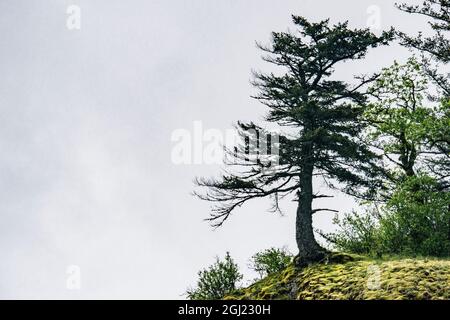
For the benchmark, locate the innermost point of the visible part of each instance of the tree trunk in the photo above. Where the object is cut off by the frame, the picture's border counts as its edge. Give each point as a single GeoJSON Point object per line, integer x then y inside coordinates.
{"type": "Point", "coordinates": [309, 250]}
{"type": "Point", "coordinates": [448, 237]}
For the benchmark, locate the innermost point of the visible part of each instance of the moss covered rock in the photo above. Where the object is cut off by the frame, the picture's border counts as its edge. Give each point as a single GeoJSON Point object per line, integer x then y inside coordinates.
{"type": "Point", "coordinates": [355, 278]}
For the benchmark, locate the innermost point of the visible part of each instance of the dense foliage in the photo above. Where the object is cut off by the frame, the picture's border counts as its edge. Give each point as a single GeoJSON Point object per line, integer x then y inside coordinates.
{"type": "Point", "coordinates": [414, 222]}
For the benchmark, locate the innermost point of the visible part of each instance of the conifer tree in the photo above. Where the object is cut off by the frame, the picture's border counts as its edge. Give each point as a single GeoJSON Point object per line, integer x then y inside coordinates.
{"type": "Point", "coordinates": [321, 115]}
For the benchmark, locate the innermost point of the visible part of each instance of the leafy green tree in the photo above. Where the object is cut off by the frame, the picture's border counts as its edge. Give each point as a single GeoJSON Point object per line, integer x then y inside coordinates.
{"type": "Point", "coordinates": [270, 261]}
{"type": "Point", "coordinates": [321, 116]}
{"type": "Point", "coordinates": [436, 132]}
{"type": "Point", "coordinates": [435, 48]}
{"type": "Point", "coordinates": [414, 218]}
{"type": "Point", "coordinates": [216, 281]}
{"type": "Point", "coordinates": [398, 114]}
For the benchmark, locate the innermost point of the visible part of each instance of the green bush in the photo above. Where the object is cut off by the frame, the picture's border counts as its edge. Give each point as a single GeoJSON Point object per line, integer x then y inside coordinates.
{"type": "Point", "coordinates": [357, 233]}
{"type": "Point", "coordinates": [415, 222]}
{"type": "Point", "coordinates": [417, 219]}
{"type": "Point", "coordinates": [216, 281]}
{"type": "Point", "coordinates": [270, 261]}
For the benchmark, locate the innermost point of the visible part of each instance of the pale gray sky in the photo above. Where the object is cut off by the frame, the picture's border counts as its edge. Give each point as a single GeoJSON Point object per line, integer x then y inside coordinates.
{"type": "Point", "coordinates": [86, 119]}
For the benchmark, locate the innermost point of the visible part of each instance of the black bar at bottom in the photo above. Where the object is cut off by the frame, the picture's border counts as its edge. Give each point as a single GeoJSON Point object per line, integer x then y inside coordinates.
{"type": "Point", "coordinates": [197, 310]}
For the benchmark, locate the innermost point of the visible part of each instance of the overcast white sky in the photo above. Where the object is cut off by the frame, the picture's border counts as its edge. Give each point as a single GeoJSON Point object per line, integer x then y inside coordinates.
{"type": "Point", "coordinates": [86, 118]}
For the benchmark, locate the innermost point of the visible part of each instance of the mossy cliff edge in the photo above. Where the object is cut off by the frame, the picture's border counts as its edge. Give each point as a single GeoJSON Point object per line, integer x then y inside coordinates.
{"type": "Point", "coordinates": [355, 278]}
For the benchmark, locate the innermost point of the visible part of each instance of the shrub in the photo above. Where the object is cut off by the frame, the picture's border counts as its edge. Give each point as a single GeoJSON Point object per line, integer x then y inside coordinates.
{"type": "Point", "coordinates": [270, 261]}
{"type": "Point", "coordinates": [417, 219]}
{"type": "Point", "coordinates": [357, 232]}
{"type": "Point", "coordinates": [217, 280]}
{"type": "Point", "coordinates": [415, 222]}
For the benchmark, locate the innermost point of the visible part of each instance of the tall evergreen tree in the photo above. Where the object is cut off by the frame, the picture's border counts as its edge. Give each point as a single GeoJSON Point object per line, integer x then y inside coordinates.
{"type": "Point", "coordinates": [436, 47]}
{"type": "Point", "coordinates": [321, 115]}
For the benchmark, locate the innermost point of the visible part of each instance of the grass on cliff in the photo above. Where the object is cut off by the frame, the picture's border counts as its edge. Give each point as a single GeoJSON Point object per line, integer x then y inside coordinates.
{"type": "Point", "coordinates": [356, 278]}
